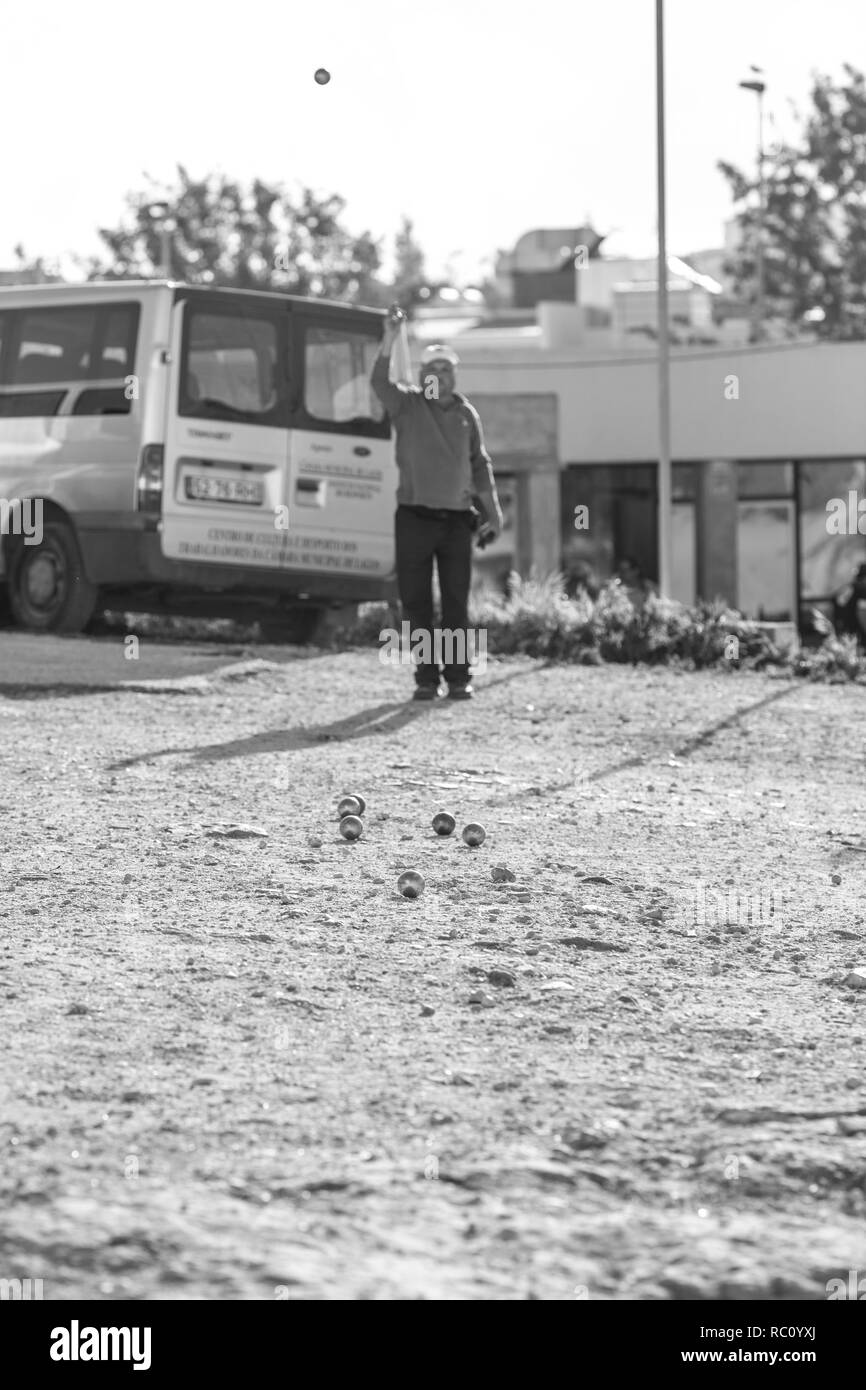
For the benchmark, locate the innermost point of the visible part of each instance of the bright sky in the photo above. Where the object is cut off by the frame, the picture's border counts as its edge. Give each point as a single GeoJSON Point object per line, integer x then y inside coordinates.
{"type": "Point", "coordinates": [480, 119]}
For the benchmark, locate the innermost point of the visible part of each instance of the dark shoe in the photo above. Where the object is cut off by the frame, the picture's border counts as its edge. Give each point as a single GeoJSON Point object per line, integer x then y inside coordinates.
{"type": "Point", "coordinates": [460, 692]}
{"type": "Point", "coordinates": [426, 692]}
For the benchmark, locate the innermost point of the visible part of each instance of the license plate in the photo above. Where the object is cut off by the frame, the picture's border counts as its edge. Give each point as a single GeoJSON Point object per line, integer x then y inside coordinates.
{"type": "Point", "coordinates": [203, 489]}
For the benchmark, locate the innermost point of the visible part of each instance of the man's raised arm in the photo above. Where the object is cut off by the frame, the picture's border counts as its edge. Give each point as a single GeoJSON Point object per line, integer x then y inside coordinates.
{"type": "Point", "coordinates": [392, 396]}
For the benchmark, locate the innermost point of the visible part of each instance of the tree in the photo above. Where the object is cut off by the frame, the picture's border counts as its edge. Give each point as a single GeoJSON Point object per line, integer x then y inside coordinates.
{"type": "Point", "coordinates": [815, 216]}
{"type": "Point", "coordinates": [30, 271]}
{"type": "Point", "coordinates": [259, 237]}
{"type": "Point", "coordinates": [409, 277]}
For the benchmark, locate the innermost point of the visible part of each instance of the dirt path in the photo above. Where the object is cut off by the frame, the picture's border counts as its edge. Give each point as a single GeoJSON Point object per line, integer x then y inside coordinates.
{"type": "Point", "coordinates": [65, 664]}
{"type": "Point", "coordinates": [246, 1068]}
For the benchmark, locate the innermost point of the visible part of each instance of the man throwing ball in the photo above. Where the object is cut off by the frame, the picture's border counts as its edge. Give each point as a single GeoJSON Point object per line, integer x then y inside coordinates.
{"type": "Point", "coordinates": [445, 481]}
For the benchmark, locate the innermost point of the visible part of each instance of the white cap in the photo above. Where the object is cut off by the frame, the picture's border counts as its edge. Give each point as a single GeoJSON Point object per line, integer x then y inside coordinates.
{"type": "Point", "coordinates": [438, 352]}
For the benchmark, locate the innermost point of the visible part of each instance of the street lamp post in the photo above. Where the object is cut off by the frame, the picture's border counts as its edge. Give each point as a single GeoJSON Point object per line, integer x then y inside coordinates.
{"type": "Point", "coordinates": [758, 87]}
{"type": "Point", "coordinates": [159, 212]}
{"type": "Point", "coordinates": [165, 249]}
{"type": "Point", "coordinates": [665, 555]}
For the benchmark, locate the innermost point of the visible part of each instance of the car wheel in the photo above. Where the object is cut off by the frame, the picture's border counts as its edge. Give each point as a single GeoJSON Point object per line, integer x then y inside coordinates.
{"type": "Point", "coordinates": [48, 589]}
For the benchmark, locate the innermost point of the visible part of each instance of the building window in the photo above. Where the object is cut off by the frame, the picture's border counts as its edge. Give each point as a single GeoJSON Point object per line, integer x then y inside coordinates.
{"type": "Point", "coordinates": [827, 561]}
{"type": "Point", "coordinates": [684, 482]}
{"type": "Point", "coordinates": [765, 480]}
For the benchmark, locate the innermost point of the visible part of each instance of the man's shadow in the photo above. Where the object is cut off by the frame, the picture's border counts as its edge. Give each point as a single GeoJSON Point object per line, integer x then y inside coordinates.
{"type": "Point", "coordinates": [381, 719]}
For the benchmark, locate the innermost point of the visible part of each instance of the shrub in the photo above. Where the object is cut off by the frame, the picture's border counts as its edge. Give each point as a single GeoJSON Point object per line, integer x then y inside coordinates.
{"type": "Point", "coordinates": [363, 629]}
{"type": "Point", "coordinates": [536, 617]}
{"type": "Point", "coordinates": [837, 659]}
{"type": "Point", "coordinates": [165, 627]}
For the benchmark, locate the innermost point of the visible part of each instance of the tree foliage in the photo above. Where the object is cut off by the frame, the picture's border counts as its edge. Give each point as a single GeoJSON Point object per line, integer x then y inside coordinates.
{"type": "Point", "coordinates": [409, 275]}
{"type": "Point", "coordinates": [257, 237]}
{"type": "Point", "coordinates": [31, 270]}
{"type": "Point", "coordinates": [815, 216]}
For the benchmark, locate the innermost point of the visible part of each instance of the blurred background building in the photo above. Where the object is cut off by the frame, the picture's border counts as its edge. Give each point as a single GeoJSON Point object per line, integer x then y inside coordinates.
{"type": "Point", "coordinates": [558, 352]}
{"type": "Point", "coordinates": [563, 371]}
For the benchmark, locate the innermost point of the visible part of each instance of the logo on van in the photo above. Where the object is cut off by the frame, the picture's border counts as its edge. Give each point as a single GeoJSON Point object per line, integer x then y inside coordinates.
{"type": "Point", "coordinates": [22, 518]}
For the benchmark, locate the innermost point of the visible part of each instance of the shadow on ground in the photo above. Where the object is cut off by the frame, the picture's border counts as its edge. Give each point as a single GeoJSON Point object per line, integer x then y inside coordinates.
{"type": "Point", "coordinates": [380, 719]}
{"type": "Point", "coordinates": [682, 750]}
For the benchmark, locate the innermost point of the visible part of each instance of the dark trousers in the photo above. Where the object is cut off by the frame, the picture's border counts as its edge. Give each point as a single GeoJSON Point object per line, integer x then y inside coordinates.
{"type": "Point", "coordinates": [423, 535]}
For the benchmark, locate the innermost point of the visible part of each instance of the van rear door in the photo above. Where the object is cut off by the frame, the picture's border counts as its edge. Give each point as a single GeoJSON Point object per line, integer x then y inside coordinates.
{"type": "Point", "coordinates": [226, 441]}
{"type": "Point", "coordinates": [342, 473]}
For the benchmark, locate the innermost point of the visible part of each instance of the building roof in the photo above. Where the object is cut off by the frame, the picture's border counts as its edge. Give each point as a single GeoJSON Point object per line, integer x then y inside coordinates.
{"type": "Point", "coordinates": [549, 248]}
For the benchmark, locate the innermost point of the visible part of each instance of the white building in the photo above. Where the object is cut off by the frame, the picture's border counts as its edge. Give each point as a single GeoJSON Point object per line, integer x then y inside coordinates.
{"type": "Point", "coordinates": [763, 437]}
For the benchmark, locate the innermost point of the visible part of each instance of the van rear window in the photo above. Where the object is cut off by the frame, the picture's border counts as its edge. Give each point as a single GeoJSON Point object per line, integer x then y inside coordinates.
{"type": "Point", "coordinates": [337, 366]}
{"type": "Point", "coordinates": [230, 367]}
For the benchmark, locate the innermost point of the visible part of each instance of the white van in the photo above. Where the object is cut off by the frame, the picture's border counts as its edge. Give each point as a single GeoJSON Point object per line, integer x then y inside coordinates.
{"type": "Point", "coordinates": [190, 450]}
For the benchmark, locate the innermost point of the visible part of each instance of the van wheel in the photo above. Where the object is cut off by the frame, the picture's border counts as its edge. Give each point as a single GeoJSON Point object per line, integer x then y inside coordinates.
{"type": "Point", "coordinates": [48, 589]}
{"type": "Point", "coordinates": [296, 625]}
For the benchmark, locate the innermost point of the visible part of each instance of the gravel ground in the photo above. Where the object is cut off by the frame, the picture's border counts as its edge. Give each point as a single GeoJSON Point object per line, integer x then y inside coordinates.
{"type": "Point", "coordinates": [245, 1068]}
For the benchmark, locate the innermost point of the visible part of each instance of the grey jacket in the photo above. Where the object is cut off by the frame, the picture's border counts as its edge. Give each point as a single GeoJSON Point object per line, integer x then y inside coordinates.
{"type": "Point", "coordinates": [441, 458]}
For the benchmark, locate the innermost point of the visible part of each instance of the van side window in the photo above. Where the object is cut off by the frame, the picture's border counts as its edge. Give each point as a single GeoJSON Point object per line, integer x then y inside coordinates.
{"type": "Point", "coordinates": [54, 345]}
{"type": "Point", "coordinates": [337, 367]}
{"type": "Point", "coordinates": [117, 343]}
{"type": "Point", "coordinates": [71, 346]}
{"type": "Point", "coordinates": [113, 360]}
{"type": "Point", "coordinates": [230, 368]}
